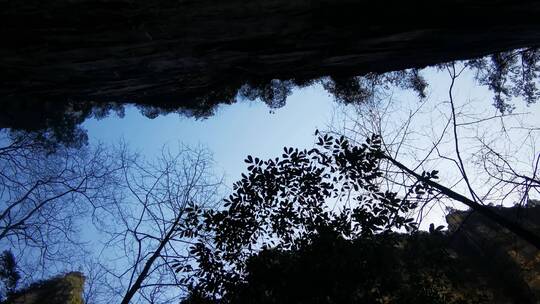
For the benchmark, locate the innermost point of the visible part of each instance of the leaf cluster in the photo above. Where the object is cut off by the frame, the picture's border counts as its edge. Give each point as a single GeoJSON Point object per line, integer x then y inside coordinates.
{"type": "Point", "coordinates": [285, 202]}
{"type": "Point", "coordinates": [509, 74]}
{"type": "Point", "coordinates": [388, 268]}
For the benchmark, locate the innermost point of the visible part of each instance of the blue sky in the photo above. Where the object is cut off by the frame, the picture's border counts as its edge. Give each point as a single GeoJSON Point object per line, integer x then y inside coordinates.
{"type": "Point", "coordinates": [231, 134]}
{"type": "Point", "coordinates": [249, 128]}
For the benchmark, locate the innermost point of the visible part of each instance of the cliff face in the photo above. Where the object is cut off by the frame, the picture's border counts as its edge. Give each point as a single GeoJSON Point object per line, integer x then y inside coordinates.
{"type": "Point", "coordinates": [512, 264]}
{"type": "Point", "coordinates": [174, 51]}
{"type": "Point", "coordinates": [66, 289]}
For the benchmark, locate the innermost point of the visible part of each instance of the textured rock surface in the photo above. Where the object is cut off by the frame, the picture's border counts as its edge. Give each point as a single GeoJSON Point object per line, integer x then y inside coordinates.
{"type": "Point", "coordinates": [156, 51]}
{"type": "Point", "coordinates": [66, 289]}
{"type": "Point", "coordinates": [512, 264]}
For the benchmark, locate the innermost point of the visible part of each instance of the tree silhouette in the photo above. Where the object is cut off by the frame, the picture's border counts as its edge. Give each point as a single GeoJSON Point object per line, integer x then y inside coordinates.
{"type": "Point", "coordinates": [9, 275]}
{"type": "Point", "coordinates": [461, 134]}
{"type": "Point", "coordinates": [285, 203]}
{"type": "Point", "coordinates": [46, 193]}
{"type": "Point", "coordinates": [144, 237]}
{"type": "Point", "coordinates": [388, 268]}
{"type": "Point", "coordinates": [509, 74]}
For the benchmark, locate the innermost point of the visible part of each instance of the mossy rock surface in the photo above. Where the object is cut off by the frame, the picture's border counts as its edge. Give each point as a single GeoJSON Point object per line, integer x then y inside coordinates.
{"type": "Point", "coordinates": [65, 289]}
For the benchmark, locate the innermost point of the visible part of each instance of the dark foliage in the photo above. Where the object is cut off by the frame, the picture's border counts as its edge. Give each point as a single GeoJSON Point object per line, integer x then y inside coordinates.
{"type": "Point", "coordinates": [9, 275]}
{"type": "Point", "coordinates": [284, 203]}
{"type": "Point", "coordinates": [509, 74]}
{"type": "Point", "coordinates": [53, 124]}
{"type": "Point", "coordinates": [364, 88]}
{"type": "Point", "coordinates": [389, 268]}
{"type": "Point", "coordinates": [317, 226]}
{"type": "Point", "coordinates": [273, 93]}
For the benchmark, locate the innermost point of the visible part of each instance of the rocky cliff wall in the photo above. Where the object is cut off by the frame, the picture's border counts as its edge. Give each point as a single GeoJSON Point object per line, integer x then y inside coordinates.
{"type": "Point", "coordinates": [173, 51]}
{"type": "Point", "coordinates": [512, 264]}
{"type": "Point", "coordinates": [65, 289]}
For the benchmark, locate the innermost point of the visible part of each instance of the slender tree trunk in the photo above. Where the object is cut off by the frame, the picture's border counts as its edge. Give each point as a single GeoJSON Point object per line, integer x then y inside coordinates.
{"type": "Point", "coordinates": [148, 265]}
{"type": "Point", "coordinates": [512, 226]}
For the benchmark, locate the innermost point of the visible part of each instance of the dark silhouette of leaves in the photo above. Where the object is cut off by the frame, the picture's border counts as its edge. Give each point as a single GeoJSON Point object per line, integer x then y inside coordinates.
{"type": "Point", "coordinates": [285, 202]}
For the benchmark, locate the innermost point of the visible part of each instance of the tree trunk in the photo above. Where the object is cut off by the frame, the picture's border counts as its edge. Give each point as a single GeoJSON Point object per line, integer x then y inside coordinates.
{"type": "Point", "coordinates": [512, 226]}
{"type": "Point", "coordinates": [136, 286]}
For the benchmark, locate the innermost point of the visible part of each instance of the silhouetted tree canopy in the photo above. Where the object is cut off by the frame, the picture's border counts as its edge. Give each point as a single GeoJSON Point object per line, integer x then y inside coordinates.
{"type": "Point", "coordinates": [509, 74]}
{"type": "Point", "coordinates": [283, 203]}
{"type": "Point", "coordinates": [9, 275]}
{"type": "Point", "coordinates": [388, 268]}
{"type": "Point", "coordinates": [331, 203]}
{"type": "Point", "coordinates": [50, 195]}
{"type": "Point", "coordinates": [363, 88]}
